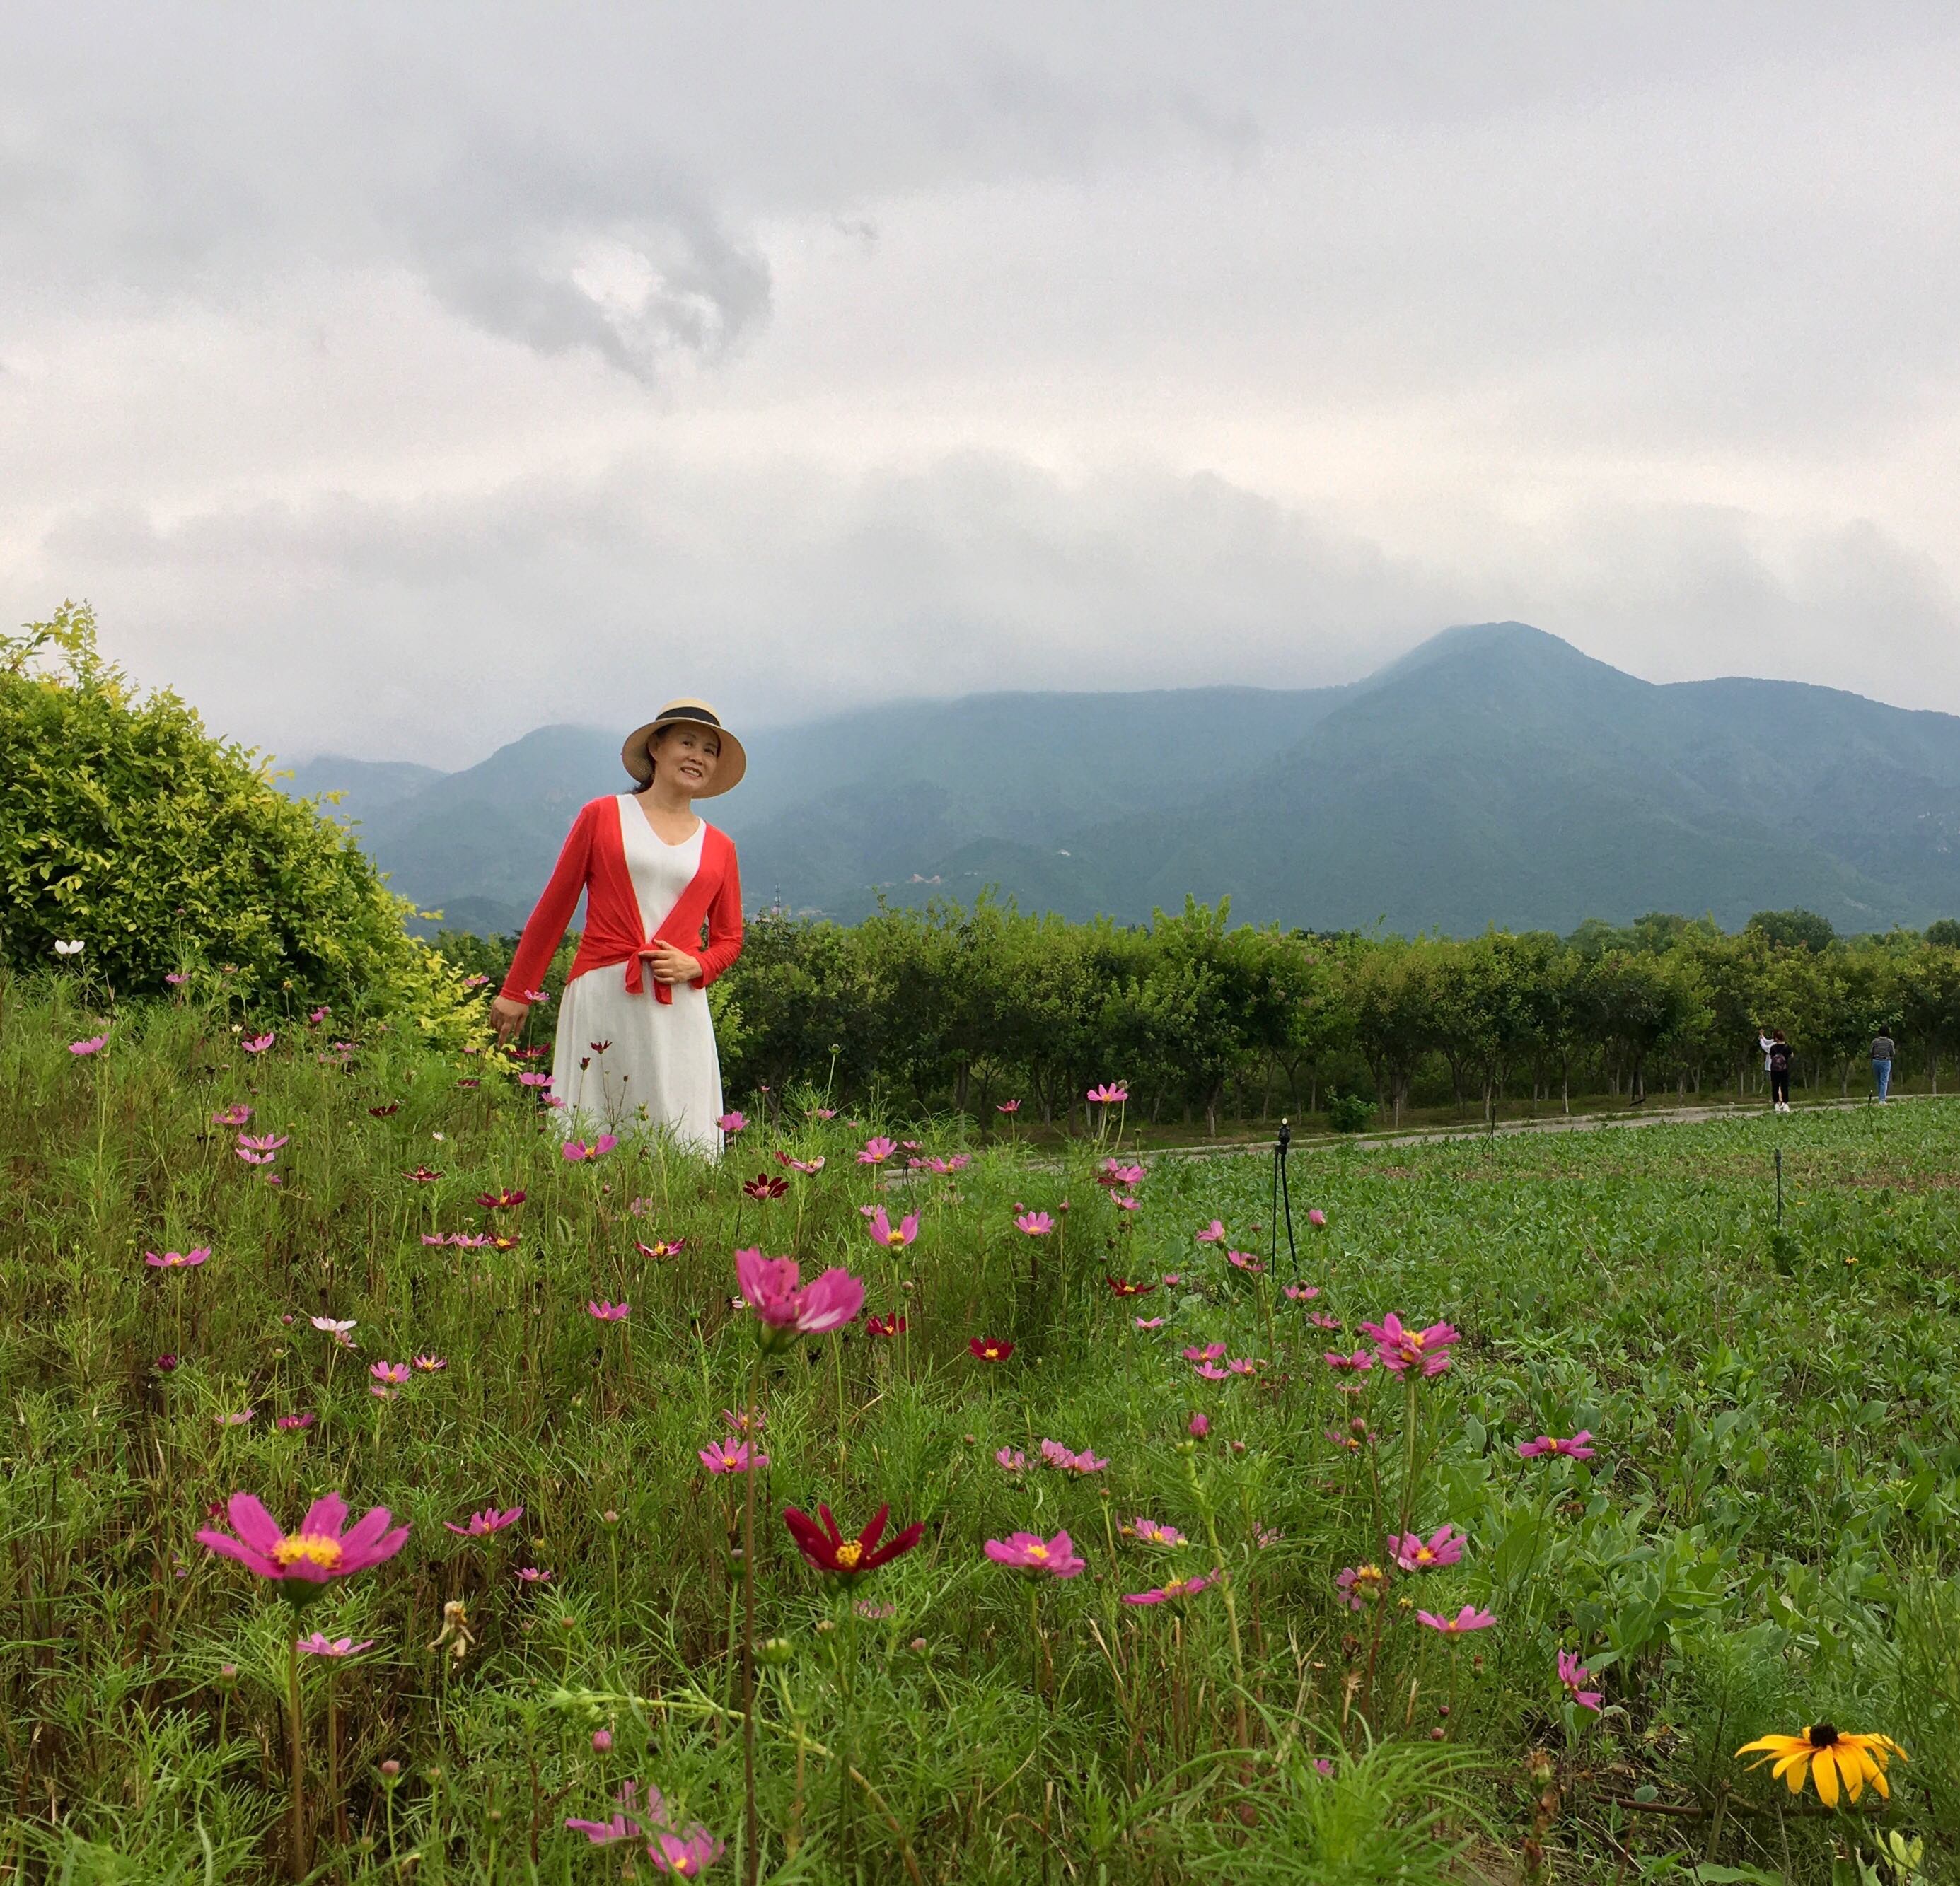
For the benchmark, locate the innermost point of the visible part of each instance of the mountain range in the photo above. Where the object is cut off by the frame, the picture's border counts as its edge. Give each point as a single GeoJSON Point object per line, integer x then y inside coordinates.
{"type": "Point", "coordinates": [1495, 775]}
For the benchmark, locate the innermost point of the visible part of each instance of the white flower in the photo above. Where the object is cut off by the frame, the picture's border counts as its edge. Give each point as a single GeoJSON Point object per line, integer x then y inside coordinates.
{"type": "Point", "coordinates": [69, 949]}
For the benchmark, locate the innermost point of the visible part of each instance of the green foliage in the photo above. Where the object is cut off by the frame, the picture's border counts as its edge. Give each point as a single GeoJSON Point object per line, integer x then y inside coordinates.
{"type": "Point", "coordinates": [163, 851]}
{"type": "Point", "coordinates": [1349, 1112]}
{"type": "Point", "coordinates": [1794, 929]}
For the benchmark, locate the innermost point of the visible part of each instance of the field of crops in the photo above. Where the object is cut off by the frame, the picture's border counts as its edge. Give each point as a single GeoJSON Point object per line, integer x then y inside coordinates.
{"type": "Point", "coordinates": [1472, 1542]}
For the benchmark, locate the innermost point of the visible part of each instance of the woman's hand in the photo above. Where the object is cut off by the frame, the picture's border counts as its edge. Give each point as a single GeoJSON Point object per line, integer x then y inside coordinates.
{"type": "Point", "coordinates": [669, 965]}
{"type": "Point", "coordinates": [507, 1016]}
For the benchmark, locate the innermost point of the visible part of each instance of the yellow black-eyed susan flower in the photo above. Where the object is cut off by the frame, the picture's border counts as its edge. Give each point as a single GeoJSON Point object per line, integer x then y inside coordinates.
{"type": "Point", "coordinates": [1826, 1754]}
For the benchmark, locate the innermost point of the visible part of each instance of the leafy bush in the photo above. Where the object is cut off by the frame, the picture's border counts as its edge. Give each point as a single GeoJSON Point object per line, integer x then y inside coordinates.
{"type": "Point", "coordinates": [128, 827]}
{"type": "Point", "coordinates": [1348, 1112]}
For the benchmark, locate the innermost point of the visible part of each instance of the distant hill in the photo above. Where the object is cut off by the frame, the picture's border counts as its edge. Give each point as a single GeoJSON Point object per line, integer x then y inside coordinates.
{"type": "Point", "coordinates": [1495, 775]}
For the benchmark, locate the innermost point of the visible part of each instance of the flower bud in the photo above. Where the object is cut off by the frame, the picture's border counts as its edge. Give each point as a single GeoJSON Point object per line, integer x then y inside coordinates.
{"type": "Point", "coordinates": [227, 1676]}
{"type": "Point", "coordinates": [1200, 1426]}
{"type": "Point", "coordinates": [601, 1740]}
{"type": "Point", "coordinates": [776, 1651]}
{"type": "Point", "coordinates": [391, 1770]}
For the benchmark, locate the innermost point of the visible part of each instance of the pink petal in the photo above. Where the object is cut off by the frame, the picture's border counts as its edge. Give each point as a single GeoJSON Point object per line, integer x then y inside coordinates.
{"type": "Point", "coordinates": [230, 1548]}
{"type": "Point", "coordinates": [326, 1514]}
{"type": "Point", "coordinates": [252, 1523]}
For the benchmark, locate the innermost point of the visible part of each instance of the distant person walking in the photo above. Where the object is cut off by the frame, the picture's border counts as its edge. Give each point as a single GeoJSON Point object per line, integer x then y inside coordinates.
{"type": "Point", "coordinates": [638, 1047]}
{"type": "Point", "coordinates": [1778, 1055]}
{"type": "Point", "coordinates": [1883, 1055]}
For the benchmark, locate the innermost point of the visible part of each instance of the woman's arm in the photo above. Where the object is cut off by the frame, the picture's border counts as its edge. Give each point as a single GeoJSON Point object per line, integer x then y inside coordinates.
{"type": "Point", "coordinates": [545, 930]}
{"type": "Point", "coordinates": [724, 926]}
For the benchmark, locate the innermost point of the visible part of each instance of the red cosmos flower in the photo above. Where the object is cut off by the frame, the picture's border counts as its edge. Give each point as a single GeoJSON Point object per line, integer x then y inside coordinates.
{"type": "Point", "coordinates": [660, 1248]}
{"type": "Point", "coordinates": [763, 1186]}
{"type": "Point", "coordinates": [422, 1175]}
{"type": "Point", "coordinates": [827, 1550]}
{"type": "Point", "coordinates": [504, 1244]}
{"type": "Point", "coordinates": [991, 1348]}
{"type": "Point", "coordinates": [382, 1113]}
{"type": "Point", "coordinates": [499, 1200]}
{"type": "Point", "coordinates": [892, 1325]}
{"type": "Point", "coordinates": [1123, 1286]}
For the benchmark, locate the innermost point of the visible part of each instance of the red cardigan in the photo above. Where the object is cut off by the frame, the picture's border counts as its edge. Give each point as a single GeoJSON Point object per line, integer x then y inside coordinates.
{"type": "Point", "coordinates": [594, 861]}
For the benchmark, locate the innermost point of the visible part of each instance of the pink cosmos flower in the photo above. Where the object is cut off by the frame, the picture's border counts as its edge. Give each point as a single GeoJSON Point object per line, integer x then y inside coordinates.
{"type": "Point", "coordinates": [1200, 1426]}
{"type": "Point", "coordinates": [430, 1365]}
{"type": "Point", "coordinates": [1151, 1532]}
{"type": "Point", "coordinates": [176, 979]}
{"type": "Point", "coordinates": [1242, 1364]}
{"type": "Point", "coordinates": [262, 1142]}
{"type": "Point", "coordinates": [339, 1330]}
{"type": "Point", "coordinates": [320, 1645]}
{"type": "Point", "coordinates": [390, 1378]}
{"type": "Point", "coordinates": [1030, 1552]}
{"type": "Point", "coordinates": [1007, 1106]}
{"type": "Point", "coordinates": [238, 1420]}
{"type": "Point", "coordinates": [1172, 1279]}
{"type": "Point", "coordinates": [605, 1312]}
{"type": "Point", "coordinates": [805, 1167]}
{"type": "Point", "coordinates": [1244, 1260]}
{"type": "Point", "coordinates": [319, 1550]}
{"type": "Point", "coordinates": [1573, 1674]}
{"type": "Point", "coordinates": [1212, 1352]}
{"type": "Point", "coordinates": [1124, 1202]}
{"type": "Point", "coordinates": [576, 1150]}
{"type": "Point", "coordinates": [289, 1423]}
{"type": "Point", "coordinates": [1398, 1348]}
{"type": "Point", "coordinates": [1575, 1448]}
{"type": "Point", "coordinates": [530, 1575]}
{"type": "Point", "coordinates": [877, 1149]}
{"type": "Point", "coordinates": [1210, 1372]}
{"type": "Point", "coordinates": [1012, 1459]}
{"type": "Point", "coordinates": [1361, 1360]}
{"type": "Point", "coordinates": [530, 1078]}
{"type": "Point", "coordinates": [1302, 1292]}
{"type": "Point", "coordinates": [1468, 1618]}
{"type": "Point", "coordinates": [232, 1116]}
{"type": "Point", "coordinates": [731, 1456]}
{"type": "Point", "coordinates": [1114, 1174]}
{"type": "Point", "coordinates": [824, 1113]}
{"type": "Point", "coordinates": [259, 1043]}
{"type": "Point", "coordinates": [1213, 1233]}
{"type": "Point", "coordinates": [1150, 1322]}
{"type": "Point", "coordinates": [1170, 1594]}
{"type": "Point", "coordinates": [1413, 1553]}
{"type": "Point", "coordinates": [897, 1236]}
{"type": "Point", "coordinates": [773, 1289]}
{"type": "Point", "coordinates": [1069, 1462]}
{"type": "Point", "coordinates": [254, 1159]}
{"type": "Point", "coordinates": [1108, 1095]}
{"type": "Point", "coordinates": [731, 1123]}
{"type": "Point", "coordinates": [1036, 1224]}
{"type": "Point", "coordinates": [434, 1237]}
{"type": "Point", "coordinates": [177, 1260]}
{"type": "Point", "coordinates": [1317, 1218]}
{"type": "Point", "coordinates": [93, 1045]}
{"type": "Point", "coordinates": [487, 1522]}
{"type": "Point", "coordinates": [537, 995]}
{"type": "Point", "coordinates": [687, 1854]}
{"type": "Point", "coordinates": [1360, 1584]}
{"type": "Point", "coordinates": [469, 1240]}
{"type": "Point", "coordinates": [944, 1167]}
{"type": "Point", "coordinates": [1321, 1320]}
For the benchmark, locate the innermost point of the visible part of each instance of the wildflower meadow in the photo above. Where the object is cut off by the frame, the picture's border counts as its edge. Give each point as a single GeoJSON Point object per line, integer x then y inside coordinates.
{"type": "Point", "coordinates": [400, 1486]}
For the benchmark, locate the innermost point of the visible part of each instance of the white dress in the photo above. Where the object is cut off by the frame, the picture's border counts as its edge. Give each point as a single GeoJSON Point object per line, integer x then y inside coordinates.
{"type": "Point", "coordinates": [622, 1060]}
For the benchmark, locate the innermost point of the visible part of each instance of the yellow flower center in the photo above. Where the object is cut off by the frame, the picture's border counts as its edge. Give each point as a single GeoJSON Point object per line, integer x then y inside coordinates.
{"type": "Point", "coordinates": [848, 1554]}
{"type": "Point", "coordinates": [1037, 1551]}
{"type": "Point", "coordinates": [1369, 1576]}
{"type": "Point", "coordinates": [1423, 1555]}
{"type": "Point", "coordinates": [315, 1547]}
{"type": "Point", "coordinates": [1177, 1588]}
{"type": "Point", "coordinates": [895, 1235]}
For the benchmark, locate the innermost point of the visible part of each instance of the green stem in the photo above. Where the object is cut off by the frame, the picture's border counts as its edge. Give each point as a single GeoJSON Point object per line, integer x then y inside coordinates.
{"type": "Point", "coordinates": [752, 1852]}
{"type": "Point", "coordinates": [296, 1808]}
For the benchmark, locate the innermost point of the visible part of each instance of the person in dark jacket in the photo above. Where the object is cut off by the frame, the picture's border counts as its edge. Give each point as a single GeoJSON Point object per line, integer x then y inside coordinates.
{"type": "Point", "coordinates": [1883, 1053]}
{"type": "Point", "coordinates": [1778, 1056]}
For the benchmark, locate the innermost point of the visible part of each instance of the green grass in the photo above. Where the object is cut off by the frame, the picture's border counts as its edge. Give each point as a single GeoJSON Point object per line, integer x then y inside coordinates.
{"type": "Point", "coordinates": [1765, 1538]}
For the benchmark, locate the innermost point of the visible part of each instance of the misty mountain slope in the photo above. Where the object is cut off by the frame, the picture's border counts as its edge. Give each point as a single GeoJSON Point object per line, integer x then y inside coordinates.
{"type": "Point", "coordinates": [1494, 775]}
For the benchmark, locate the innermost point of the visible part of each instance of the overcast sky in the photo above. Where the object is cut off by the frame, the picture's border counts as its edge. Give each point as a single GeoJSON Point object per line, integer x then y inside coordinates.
{"type": "Point", "coordinates": [394, 379]}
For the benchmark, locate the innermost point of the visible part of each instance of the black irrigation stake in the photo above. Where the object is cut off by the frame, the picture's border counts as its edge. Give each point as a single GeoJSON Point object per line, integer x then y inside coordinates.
{"type": "Point", "coordinates": [1281, 1194]}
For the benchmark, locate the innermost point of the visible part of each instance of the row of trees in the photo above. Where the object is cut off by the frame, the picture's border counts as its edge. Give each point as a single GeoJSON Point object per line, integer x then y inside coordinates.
{"type": "Point", "coordinates": [965, 1007]}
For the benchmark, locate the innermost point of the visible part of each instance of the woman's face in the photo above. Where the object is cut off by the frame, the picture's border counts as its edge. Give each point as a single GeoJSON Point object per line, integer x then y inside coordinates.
{"type": "Point", "coordinates": [686, 756]}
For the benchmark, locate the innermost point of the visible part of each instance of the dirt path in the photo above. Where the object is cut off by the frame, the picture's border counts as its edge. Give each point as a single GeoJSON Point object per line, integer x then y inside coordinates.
{"type": "Point", "coordinates": [1505, 1129]}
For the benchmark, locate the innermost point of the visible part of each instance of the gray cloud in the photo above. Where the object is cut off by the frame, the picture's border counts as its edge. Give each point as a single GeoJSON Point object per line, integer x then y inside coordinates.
{"type": "Point", "coordinates": [394, 379]}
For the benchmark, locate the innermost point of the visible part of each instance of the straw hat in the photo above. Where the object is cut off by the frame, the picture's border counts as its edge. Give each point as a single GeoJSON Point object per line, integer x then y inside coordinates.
{"type": "Point", "coordinates": [728, 771]}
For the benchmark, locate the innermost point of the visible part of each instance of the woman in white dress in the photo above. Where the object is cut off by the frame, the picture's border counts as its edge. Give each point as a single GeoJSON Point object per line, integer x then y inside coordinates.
{"type": "Point", "coordinates": [637, 1049]}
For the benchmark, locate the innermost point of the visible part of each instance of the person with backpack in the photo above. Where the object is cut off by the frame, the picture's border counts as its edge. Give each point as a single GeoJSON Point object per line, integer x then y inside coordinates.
{"type": "Point", "coordinates": [1778, 1056]}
